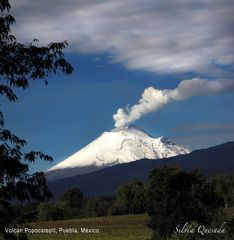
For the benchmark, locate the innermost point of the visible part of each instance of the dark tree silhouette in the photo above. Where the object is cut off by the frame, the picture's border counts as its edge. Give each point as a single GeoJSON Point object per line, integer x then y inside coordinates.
{"type": "Point", "coordinates": [176, 197]}
{"type": "Point", "coordinates": [131, 197]}
{"type": "Point", "coordinates": [20, 64]}
{"type": "Point", "coordinates": [73, 197]}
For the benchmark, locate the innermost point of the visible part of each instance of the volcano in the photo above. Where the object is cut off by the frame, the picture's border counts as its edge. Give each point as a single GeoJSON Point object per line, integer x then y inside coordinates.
{"type": "Point", "coordinates": [118, 146]}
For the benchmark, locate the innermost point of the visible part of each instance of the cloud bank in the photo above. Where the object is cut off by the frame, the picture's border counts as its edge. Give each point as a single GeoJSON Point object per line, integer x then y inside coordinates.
{"type": "Point", "coordinates": [170, 36]}
{"type": "Point", "coordinates": [153, 99]}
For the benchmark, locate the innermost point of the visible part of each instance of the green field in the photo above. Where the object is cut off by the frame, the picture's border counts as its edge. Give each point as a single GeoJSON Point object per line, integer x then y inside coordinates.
{"type": "Point", "coordinates": [128, 227]}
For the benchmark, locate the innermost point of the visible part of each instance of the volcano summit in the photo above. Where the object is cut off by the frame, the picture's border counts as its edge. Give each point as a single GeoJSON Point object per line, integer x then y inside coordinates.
{"type": "Point", "coordinates": [118, 146]}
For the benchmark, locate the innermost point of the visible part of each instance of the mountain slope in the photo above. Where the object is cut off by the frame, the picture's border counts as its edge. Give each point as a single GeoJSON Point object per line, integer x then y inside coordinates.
{"type": "Point", "coordinates": [211, 161]}
{"type": "Point", "coordinates": [115, 147]}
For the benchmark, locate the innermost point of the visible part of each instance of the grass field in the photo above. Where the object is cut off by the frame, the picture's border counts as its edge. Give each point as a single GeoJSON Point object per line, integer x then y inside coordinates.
{"type": "Point", "coordinates": [126, 227]}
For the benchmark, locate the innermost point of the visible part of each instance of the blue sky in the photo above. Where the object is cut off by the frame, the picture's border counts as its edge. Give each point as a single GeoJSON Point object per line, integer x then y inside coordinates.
{"type": "Point", "coordinates": [116, 56]}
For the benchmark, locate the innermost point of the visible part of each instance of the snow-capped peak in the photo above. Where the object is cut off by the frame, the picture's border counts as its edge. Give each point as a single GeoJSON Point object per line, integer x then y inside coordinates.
{"type": "Point", "coordinates": [121, 145]}
{"type": "Point", "coordinates": [132, 129]}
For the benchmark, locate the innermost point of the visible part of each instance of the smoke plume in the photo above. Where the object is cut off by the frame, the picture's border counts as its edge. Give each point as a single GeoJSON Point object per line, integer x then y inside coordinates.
{"type": "Point", "coordinates": [153, 99]}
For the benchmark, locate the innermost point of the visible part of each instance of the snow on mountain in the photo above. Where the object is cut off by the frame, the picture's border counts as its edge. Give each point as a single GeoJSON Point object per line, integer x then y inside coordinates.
{"type": "Point", "coordinates": [118, 146]}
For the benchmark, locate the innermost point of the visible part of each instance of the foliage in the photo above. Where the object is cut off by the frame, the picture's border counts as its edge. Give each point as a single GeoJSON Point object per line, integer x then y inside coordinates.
{"type": "Point", "coordinates": [230, 229]}
{"type": "Point", "coordinates": [73, 198]}
{"type": "Point", "coordinates": [72, 201]}
{"type": "Point", "coordinates": [186, 235]}
{"type": "Point", "coordinates": [224, 185]}
{"type": "Point", "coordinates": [20, 64]}
{"type": "Point", "coordinates": [72, 205]}
{"type": "Point", "coordinates": [176, 197]}
{"type": "Point", "coordinates": [97, 206]}
{"type": "Point", "coordinates": [51, 211]}
{"type": "Point", "coordinates": [131, 198]}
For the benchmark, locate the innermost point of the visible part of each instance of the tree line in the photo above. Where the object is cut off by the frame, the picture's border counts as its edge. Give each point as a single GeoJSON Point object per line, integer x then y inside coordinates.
{"type": "Point", "coordinates": [171, 197]}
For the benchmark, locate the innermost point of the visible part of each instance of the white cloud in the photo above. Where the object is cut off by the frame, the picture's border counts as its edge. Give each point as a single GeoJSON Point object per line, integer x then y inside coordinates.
{"type": "Point", "coordinates": [153, 99]}
{"type": "Point", "coordinates": [160, 36]}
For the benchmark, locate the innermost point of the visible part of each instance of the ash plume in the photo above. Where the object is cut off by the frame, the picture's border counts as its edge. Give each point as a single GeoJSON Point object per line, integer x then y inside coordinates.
{"type": "Point", "coordinates": [153, 99]}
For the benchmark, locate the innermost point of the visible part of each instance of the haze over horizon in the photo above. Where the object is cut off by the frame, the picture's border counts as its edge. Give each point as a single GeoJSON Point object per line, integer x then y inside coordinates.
{"type": "Point", "coordinates": [168, 65]}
